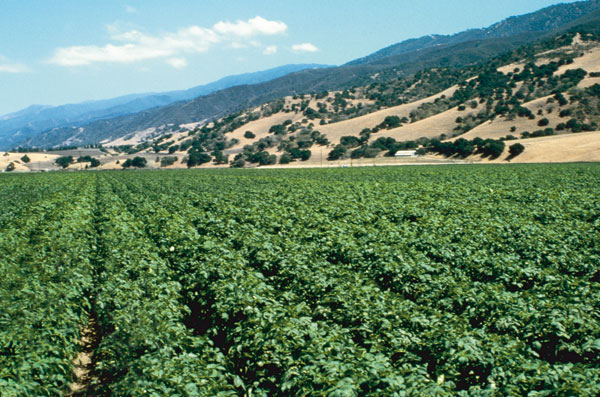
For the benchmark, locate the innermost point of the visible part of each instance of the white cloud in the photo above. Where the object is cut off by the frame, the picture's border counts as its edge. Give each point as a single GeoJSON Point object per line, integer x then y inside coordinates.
{"type": "Point", "coordinates": [135, 46]}
{"type": "Point", "coordinates": [252, 27]}
{"type": "Point", "coordinates": [177, 63]}
{"type": "Point", "coordinates": [130, 9]}
{"type": "Point", "coordinates": [8, 67]}
{"type": "Point", "coordinates": [86, 55]}
{"type": "Point", "coordinates": [304, 47]}
{"type": "Point", "coordinates": [270, 50]}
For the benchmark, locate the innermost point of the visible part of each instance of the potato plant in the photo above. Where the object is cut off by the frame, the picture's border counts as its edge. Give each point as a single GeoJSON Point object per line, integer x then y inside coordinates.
{"type": "Point", "coordinates": [446, 280]}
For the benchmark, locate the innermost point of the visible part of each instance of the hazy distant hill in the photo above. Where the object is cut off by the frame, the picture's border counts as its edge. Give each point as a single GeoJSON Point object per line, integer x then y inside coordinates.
{"type": "Point", "coordinates": [466, 48]}
{"type": "Point", "coordinates": [27, 123]}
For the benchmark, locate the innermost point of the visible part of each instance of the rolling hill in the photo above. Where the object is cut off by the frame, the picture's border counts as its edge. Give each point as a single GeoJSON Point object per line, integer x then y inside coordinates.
{"type": "Point", "coordinates": [544, 98]}
{"type": "Point", "coordinates": [464, 49]}
{"type": "Point", "coordinates": [18, 127]}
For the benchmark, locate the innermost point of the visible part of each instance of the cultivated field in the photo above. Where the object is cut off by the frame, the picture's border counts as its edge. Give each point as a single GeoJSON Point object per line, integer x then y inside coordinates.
{"type": "Point", "coordinates": [374, 281]}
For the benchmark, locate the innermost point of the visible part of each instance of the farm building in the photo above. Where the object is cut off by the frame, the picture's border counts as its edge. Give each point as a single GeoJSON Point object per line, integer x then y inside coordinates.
{"type": "Point", "coordinates": [406, 153]}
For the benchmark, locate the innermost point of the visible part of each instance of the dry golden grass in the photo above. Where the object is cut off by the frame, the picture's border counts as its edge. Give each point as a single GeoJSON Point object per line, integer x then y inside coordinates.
{"type": "Point", "coordinates": [38, 161]}
{"type": "Point", "coordinates": [354, 126]}
{"type": "Point", "coordinates": [261, 127]}
{"type": "Point", "coordinates": [431, 127]}
{"type": "Point", "coordinates": [511, 67]}
{"type": "Point", "coordinates": [590, 62]}
{"type": "Point", "coordinates": [565, 148]}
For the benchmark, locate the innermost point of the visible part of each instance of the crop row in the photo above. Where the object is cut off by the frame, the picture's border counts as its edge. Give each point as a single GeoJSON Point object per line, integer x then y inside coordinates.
{"type": "Point", "coordinates": [480, 283]}
{"type": "Point", "coordinates": [382, 281]}
{"type": "Point", "coordinates": [144, 348]}
{"type": "Point", "coordinates": [46, 278]}
{"type": "Point", "coordinates": [271, 338]}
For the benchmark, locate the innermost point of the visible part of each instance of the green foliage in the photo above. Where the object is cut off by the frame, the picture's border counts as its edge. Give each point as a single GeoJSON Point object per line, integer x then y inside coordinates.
{"type": "Point", "coordinates": [338, 152]}
{"type": "Point", "coordinates": [262, 158]}
{"type": "Point", "coordinates": [371, 281]}
{"type": "Point", "coordinates": [464, 148]}
{"type": "Point", "coordinates": [136, 162]}
{"type": "Point", "coordinates": [277, 129]}
{"type": "Point", "coordinates": [285, 158]}
{"type": "Point", "coordinates": [167, 161]}
{"type": "Point", "coordinates": [64, 161]}
{"type": "Point", "coordinates": [94, 162]}
{"type": "Point", "coordinates": [10, 167]}
{"type": "Point", "coordinates": [249, 135]}
{"type": "Point", "coordinates": [198, 158]}
{"type": "Point", "coordinates": [220, 157]}
{"type": "Point", "coordinates": [516, 149]}
{"type": "Point", "coordinates": [391, 122]}
{"type": "Point", "coordinates": [350, 141]}
{"type": "Point", "coordinates": [25, 159]}
{"type": "Point", "coordinates": [238, 163]}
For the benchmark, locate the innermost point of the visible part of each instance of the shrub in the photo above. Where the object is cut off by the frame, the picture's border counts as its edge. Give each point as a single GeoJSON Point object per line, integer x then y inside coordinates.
{"type": "Point", "coordinates": [64, 161]}
{"type": "Point", "coordinates": [137, 162]}
{"type": "Point", "coordinates": [238, 163]}
{"type": "Point", "coordinates": [390, 122]}
{"type": "Point", "coordinates": [167, 161]}
{"type": "Point", "coordinates": [249, 135]}
{"type": "Point", "coordinates": [10, 167]}
{"type": "Point", "coordinates": [25, 159]}
{"type": "Point", "coordinates": [543, 122]}
{"type": "Point", "coordinates": [574, 125]}
{"type": "Point", "coordinates": [89, 159]}
{"type": "Point", "coordinates": [565, 113]}
{"type": "Point", "coordinates": [371, 152]}
{"type": "Point", "coordinates": [350, 141]}
{"type": "Point", "coordinates": [516, 149]}
{"type": "Point", "coordinates": [492, 148]}
{"type": "Point", "coordinates": [540, 133]}
{"type": "Point", "coordinates": [198, 158]}
{"type": "Point", "coordinates": [219, 157]}
{"type": "Point", "coordinates": [277, 129]}
{"type": "Point", "coordinates": [562, 101]}
{"type": "Point", "coordinates": [264, 158]}
{"type": "Point", "coordinates": [285, 158]}
{"type": "Point", "coordinates": [304, 155]}
{"type": "Point", "coordinates": [337, 153]}
{"type": "Point", "coordinates": [322, 140]}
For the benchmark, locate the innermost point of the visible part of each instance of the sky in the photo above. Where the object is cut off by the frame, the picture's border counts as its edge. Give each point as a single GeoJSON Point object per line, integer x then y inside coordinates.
{"type": "Point", "coordinates": [68, 51]}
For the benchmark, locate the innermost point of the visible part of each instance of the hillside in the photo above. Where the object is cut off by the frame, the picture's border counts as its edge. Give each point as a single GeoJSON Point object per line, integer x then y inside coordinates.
{"type": "Point", "coordinates": [465, 49]}
{"type": "Point", "coordinates": [537, 23]}
{"type": "Point", "coordinates": [19, 127]}
{"type": "Point", "coordinates": [545, 98]}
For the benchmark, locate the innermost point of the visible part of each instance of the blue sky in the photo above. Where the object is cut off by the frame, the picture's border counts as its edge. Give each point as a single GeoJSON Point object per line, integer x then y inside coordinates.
{"type": "Point", "coordinates": [67, 51]}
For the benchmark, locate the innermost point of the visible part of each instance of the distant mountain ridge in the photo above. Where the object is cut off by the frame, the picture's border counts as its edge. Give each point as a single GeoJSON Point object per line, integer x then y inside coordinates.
{"type": "Point", "coordinates": [27, 123]}
{"type": "Point", "coordinates": [463, 49]}
{"type": "Point", "coordinates": [544, 20]}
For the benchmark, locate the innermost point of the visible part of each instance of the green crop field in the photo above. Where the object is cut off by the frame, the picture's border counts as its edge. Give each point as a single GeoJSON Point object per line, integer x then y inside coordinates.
{"type": "Point", "coordinates": [381, 281]}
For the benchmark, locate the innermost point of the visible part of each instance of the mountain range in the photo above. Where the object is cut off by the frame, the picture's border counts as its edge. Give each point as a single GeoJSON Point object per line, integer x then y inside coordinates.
{"type": "Point", "coordinates": [27, 123]}
{"type": "Point", "coordinates": [131, 114]}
